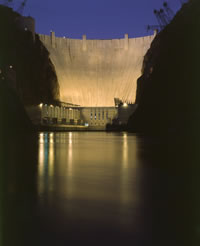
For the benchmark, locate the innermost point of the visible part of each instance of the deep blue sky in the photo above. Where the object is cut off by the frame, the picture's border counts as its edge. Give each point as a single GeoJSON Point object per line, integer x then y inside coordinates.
{"type": "Point", "coordinates": [101, 19]}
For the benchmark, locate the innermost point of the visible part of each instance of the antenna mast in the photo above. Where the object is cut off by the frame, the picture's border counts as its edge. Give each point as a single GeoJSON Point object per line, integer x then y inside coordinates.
{"type": "Point", "coordinates": [20, 10]}
{"type": "Point", "coordinates": [169, 12]}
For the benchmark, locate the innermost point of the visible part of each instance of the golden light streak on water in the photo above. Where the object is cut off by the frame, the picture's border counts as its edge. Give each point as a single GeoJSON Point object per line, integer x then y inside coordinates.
{"type": "Point", "coordinates": [51, 155]}
{"type": "Point", "coordinates": [41, 159]}
{"type": "Point", "coordinates": [124, 167]}
{"type": "Point", "coordinates": [127, 166]}
{"type": "Point", "coordinates": [125, 150]}
{"type": "Point", "coordinates": [41, 138]}
{"type": "Point", "coordinates": [70, 152]}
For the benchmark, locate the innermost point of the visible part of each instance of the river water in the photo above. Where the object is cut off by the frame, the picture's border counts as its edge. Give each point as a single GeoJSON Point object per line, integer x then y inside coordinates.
{"type": "Point", "coordinates": [97, 188]}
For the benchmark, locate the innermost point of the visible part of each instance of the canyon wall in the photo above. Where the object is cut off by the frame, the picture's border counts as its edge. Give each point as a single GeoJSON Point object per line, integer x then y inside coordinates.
{"type": "Point", "coordinates": [168, 91]}
{"type": "Point", "coordinates": [23, 52]}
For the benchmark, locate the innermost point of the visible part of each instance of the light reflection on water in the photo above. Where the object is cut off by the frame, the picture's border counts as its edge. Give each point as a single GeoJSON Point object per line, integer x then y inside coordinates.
{"type": "Point", "coordinates": [115, 184]}
{"type": "Point", "coordinates": [112, 188]}
{"type": "Point", "coordinates": [97, 169]}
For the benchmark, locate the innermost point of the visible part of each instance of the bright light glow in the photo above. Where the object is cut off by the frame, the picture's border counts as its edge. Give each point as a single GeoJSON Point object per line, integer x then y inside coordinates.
{"type": "Point", "coordinates": [125, 105]}
{"type": "Point", "coordinates": [41, 138]}
{"type": "Point", "coordinates": [70, 138]}
{"type": "Point", "coordinates": [51, 138]}
{"type": "Point", "coordinates": [51, 106]}
{"type": "Point", "coordinates": [41, 104]}
{"type": "Point", "coordinates": [11, 66]}
{"type": "Point", "coordinates": [70, 108]}
{"type": "Point", "coordinates": [70, 153]}
{"type": "Point", "coordinates": [125, 135]}
{"type": "Point", "coordinates": [41, 157]}
{"type": "Point", "coordinates": [125, 149]}
{"type": "Point", "coordinates": [51, 155]}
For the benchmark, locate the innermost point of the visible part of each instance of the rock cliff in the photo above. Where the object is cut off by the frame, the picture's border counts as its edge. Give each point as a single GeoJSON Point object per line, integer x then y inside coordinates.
{"type": "Point", "coordinates": [13, 119]}
{"type": "Point", "coordinates": [36, 80]}
{"type": "Point", "coordinates": [168, 90]}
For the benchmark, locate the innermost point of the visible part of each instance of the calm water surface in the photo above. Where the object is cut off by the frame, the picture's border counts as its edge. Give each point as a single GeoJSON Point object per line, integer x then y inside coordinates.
{"type": "Point", "coordinates": [80, 188]}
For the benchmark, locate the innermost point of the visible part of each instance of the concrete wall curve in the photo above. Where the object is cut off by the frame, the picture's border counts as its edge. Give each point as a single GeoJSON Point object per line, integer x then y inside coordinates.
{"type": "Point", "coordinates": [91, 73]}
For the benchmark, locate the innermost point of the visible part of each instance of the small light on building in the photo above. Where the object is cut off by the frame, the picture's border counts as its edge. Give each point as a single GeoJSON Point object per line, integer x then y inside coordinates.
{"type": "Point", "coordinates": [70, 108]}
{"type": "Point", "coordinates": [51, 106]}
{"type": "Point", "coordinates": [11, 66]}
{"type": "Point", "coordinates": [41, 104]}
{"type": "Point", "coordinates": [125, 105]}
{"type": "Point", "coordinates": [86, 124]}
{"type": "Point", "coordinates": [26, 29]}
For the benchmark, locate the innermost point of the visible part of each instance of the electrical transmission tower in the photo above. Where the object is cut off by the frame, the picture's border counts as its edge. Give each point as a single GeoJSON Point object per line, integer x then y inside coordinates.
{"type": "Point", "coordinates": [161, 19]}
{"type": "Point", "coordinates": [20, 10]}
{"type": "Point", "coordinates": [163, 16]}
{"type": "Point", "coordinates": [169, 12]}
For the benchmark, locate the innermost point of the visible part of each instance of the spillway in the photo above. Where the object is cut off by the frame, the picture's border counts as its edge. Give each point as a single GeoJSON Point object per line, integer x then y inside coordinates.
{"type": "Point", "coordinates": [91, 73]}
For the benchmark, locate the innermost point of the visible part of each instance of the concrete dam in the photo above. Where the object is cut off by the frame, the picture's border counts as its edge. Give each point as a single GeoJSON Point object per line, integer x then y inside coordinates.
{"type": "Point", "coordinates": [91, 73]}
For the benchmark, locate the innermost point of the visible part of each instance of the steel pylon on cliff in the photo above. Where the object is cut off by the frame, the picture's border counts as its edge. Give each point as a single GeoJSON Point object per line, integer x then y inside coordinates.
{"type": "Point", "coordinates": [169, 12]}
{"type": "Point", "coordinates": [163, 16]}
{"type": "Point", "coordinates": [20, 10]}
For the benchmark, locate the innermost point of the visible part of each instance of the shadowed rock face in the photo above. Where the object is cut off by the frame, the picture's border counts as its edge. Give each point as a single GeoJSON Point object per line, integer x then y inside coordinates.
{"type": "Point", "coordinates": [36, 79]}
{"type": "Point", "coordinates": [168, 91]}
{"type": "Point", "coordinates": [13, 116]}
{"type": "Point", "coordinates": [94, 72]}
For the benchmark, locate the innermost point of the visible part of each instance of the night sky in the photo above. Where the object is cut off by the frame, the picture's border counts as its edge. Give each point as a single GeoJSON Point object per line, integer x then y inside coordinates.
{"type": "Point", "coordinates": [98, 19]}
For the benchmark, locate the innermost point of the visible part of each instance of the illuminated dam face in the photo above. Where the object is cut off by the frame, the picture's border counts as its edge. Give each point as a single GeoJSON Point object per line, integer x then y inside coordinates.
{"type": "Point", "coordinates": [91, 73]}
